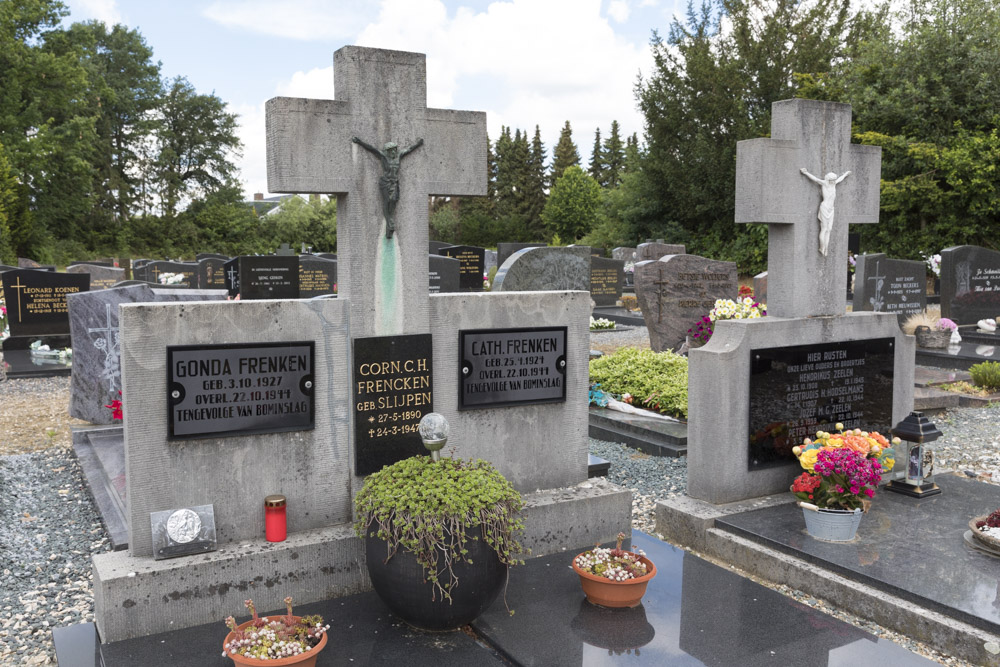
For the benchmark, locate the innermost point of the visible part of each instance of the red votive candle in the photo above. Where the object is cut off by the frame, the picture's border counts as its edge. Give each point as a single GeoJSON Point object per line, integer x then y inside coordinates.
{"type": "Point", "coordinates": [275, 523]}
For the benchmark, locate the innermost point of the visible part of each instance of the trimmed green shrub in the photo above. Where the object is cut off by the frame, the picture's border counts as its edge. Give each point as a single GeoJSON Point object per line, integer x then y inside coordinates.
{"type": "Point", "coordinates": [656, 380]}
{"type": "Point", "coordinates": [986, 375]}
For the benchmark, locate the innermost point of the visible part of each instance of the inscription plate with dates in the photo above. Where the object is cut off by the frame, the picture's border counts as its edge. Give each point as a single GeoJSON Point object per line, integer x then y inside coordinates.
{"type": "Point", "coordinates": [503, 367]}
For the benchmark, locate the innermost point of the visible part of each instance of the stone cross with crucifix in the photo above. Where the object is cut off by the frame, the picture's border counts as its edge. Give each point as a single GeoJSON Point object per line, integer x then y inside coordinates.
{"type": "Point", "coordinates": [807, 231]}
{"type": "Point", "coordinates": [381, 100]}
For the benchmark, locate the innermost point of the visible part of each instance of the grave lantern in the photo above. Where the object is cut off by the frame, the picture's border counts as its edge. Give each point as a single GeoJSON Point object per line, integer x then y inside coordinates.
{"type": "Point", "coordinates": [434, 433]}
{"type": "Point", "coordinates": [916, 432]}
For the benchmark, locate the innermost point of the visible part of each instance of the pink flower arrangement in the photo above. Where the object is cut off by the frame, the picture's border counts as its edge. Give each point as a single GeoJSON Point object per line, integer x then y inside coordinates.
{"type": "Point", "coordinates": [944, 324]}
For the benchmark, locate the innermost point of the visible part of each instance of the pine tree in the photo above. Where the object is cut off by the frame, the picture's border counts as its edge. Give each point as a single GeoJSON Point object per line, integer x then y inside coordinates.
{"type": "Point", "coordinates": [565, 154]}
{"type": "Point", "coordinates": [613, 159]}
{"type": "Point", "coordinates": [535, 193]}
{"type": "Point", "coordinates": [632, 154]}
{"type": "Point", "coordinates": [597, 159]}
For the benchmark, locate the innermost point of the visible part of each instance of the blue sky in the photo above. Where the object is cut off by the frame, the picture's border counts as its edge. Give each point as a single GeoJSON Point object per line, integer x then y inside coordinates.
{"type": "Point", "coordinates": [524, 62]}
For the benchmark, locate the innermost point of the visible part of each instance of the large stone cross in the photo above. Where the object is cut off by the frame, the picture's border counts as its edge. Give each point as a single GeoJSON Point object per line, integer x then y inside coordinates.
{"type": "Point", "coordinates": [381, 98]}
{"type": "Point", "coordinates": [803, 280]}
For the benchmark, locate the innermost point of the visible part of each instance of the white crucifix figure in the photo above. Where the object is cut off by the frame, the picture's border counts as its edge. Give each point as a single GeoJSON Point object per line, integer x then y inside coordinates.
{"type": "Point", "coordinates": [807, 279]}
{"type": "Point", "coordinates": [327, 147]}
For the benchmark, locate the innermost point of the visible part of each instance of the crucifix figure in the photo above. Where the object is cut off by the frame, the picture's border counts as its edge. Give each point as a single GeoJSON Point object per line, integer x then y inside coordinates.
{"type": "Point", "coordinates": [825, 215]}
{"type": "Point", "coordinates": [311, 148]}
{"type": "Point", "coordinates": [770, 189]}
{"type": "Point", "coordinates": [388, 183]}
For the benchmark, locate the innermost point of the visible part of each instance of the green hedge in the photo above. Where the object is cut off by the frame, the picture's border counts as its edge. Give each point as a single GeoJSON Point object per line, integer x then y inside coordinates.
{"type": "Point", "coordinates": [656, 380]}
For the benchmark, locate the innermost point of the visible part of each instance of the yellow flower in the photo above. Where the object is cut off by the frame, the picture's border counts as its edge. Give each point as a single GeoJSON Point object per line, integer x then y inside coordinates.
{"type": "Point", "coordinates": [796, 450]}
{"type": "Point", "coordinates": [839, 426]}
{"type": "Point", "coordinates": [888, 463]}
{"type": "Point", "coordinates": [808, 459]}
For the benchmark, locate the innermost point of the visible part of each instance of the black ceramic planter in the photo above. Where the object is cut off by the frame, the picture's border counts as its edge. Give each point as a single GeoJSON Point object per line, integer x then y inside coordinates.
{"type": "Point", "coordinates": [400, 583]}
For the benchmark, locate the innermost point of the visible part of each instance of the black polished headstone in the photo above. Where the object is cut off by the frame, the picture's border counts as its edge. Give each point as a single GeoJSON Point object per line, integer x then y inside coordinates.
{"type": "Point", "coordinates": [607, 278]}
{"type": "Point", "coordinates": [317, 277]}
{"type": "Point", "coordinates": [798, 390]}
{"type": "Point", "coordinates": [36, 300]}
{"type": "Point", "coordinates": [443, 273]}
{"type": "Point", "coordinates": [505, 250]}
{"type": "Point", "coordinates": [188, 270]}
{"type": "Point", "coordinates": [231, 276]}
{"type": "Point", "coordinates": [211, 272]}
{"type": "Point", "coordinates": [970, 284]}
{"type": "Point", "coordinates": [473, 264]}
{"type": "Point", "coordinates": [392, 392]}
{"type": "Point", "coordinates": [434, 246]}
{"type": "Point", "coordinates": [268, 277]}
{"type": "Point", "coordinates": [4, 267]}
{"type": "Point", "coordinates": [884, 285]}
{"type": "Point", "coordinates": [502, 367]}
{"type": "Point", "coordinates": [327, 255]}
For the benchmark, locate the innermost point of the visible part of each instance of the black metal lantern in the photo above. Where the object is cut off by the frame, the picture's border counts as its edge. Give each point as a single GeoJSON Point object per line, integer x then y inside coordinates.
{"type": "Point", "coordinates": [916, 432]}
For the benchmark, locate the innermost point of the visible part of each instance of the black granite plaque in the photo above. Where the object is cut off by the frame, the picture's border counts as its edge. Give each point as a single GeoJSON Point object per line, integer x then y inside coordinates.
{"type": "Point", "coordinates": [188, 271]}
{"type": "Point", "coordinates": [392, 392]}
{"type": "Point", "coordinates": [970, 284]}
{"type": "Point", "coordinates": [36, 300]}
{"type": "Point", "coordinates": [231, 276]}
{"type": "Point", "coordinates": [607, 277]}
{"type": "Point", "coordinates": [796, 391]}
{"type": "Point", "coordinates": [443, 273]}
{"type": "Point", "coordinates": [211, 272]}
{"type": "Point", "coordinates": [886, 285]}
{"type": "Point", "coordinates": [218, 390]}
{"type": "Point", "coordinates": [317, 277]}
{"type": "Point", "coordinates": [472, 262]}
{"type": "Point", "coordinates": [269, 277]}
{"type": "Point", "coordinates": [511, 367]}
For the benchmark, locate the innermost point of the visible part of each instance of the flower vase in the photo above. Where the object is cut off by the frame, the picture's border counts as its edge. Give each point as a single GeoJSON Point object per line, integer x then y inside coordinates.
{"type": "Point", "coordinates": [831, 525]}
{"type": "Point", "coordinates": [608, 593]}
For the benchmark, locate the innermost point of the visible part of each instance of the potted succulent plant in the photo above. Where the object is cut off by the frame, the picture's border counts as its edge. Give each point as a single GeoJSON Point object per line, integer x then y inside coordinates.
{"type": "Point", "coordinates": [614, 577]}
{"type": "Point", "coordinates": [276, 640]}
{"type": "Point", "coordinates": [439, 534]}
{"type": "Point", "coordinates": [842, 471]}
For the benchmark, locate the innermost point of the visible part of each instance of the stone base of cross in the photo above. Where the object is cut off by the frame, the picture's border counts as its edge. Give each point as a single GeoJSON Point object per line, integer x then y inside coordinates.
{"type": "Point", "coordinates": [807, 182]}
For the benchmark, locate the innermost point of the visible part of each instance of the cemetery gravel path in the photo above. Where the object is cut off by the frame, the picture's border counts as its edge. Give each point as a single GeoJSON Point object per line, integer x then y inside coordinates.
{"type": "Point", "coordinates": [49, 527]}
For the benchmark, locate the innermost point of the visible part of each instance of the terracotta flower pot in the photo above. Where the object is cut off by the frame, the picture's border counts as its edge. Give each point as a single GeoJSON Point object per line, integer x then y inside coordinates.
{"type": "Point", "coordinates": [307, 659]}
{"type": "Point", "coordinates": [607, 593]}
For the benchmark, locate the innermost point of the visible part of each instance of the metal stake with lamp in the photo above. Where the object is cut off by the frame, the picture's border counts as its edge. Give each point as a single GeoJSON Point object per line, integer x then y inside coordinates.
{"type": "Point", "coordinates": [434, 432]}
{"type": "Point", "coordinates": [917, 432]}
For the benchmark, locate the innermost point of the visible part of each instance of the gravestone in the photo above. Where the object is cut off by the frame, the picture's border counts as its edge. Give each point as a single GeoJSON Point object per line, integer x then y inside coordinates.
{"type": "Point", "coordinates": [269, 277]}
{"type": "Point", "coordinates": [36, 301]}
{"type": "Point", "coordinates": [677, 291]}
{"type": "Point", "coordinates": [760, 287]}
{"type": "Point", "coordinates": [654, 250]}
{"type": "Point", "coordinates": [607, 277]}
{"type": "Point", "coordinates": [435, 246]}
{"type": "Point", "coordinates": [884, 285]}
{"type": "Point", "coordinates": [316, 277]}
{"type": "Point", "coordinates": [489, 260]}
{"type": "Point", "coordinates": [381, 99]}
{"type": "Point", "coordinates": [472, 260]}
{"type": "Point", "coordinates": [505, 250]}
{"type": "Point", "coordinates": [107, 264]}
{"type": "Point", "coordinates": [211, 272]}
{"type": "Point", "coordinates": [101, 277]}
{"type": "Point", "coordinates": [790, 374]}
{"type": "Point", "coordinates": [327, 255]}
{"type": "Point", "coordinates": [231, 276]}
{"type": "Point", "coordinates": [284, 250]}
{"type": "Point", "coordinates": [25, 263]}
{"type": "Point", "coordinates": [543, 268]}
{"type": "Point", "coordinates": [153, 270]}
{"type": "Point", "coordinates": [443, 274]}
{"type": "Point", "coordinates": [93, 319]}
{"type": "Point", "coordinates": [624, 254]}
{"type": "Point", "coordinates": [210, 255]}
{"type": "Point", "coordinates": [970, 284]}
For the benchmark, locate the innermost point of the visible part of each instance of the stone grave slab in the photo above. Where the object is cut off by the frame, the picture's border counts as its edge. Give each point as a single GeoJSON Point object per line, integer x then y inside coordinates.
{"type": "Point", "coordinates": [443, 274]}
{"type": "Point", "coordinates": [36, 301]}
{"type": "Point", "coordinates": [317, 277]}
{"type": "Point", "coordinates": [489, 260]}
{"type": "Point", "coordinates": [472, 261]}
{"type": "Point", "coordinates": [505, 250]}
{"type": "Point", "coordinates": [101, 277]}
{"type": "Point", "coordinates": [884, 285]}
{"type": "Point", "coordinates": [760, 287]}
{"type": "Point", "coordinates": [607, 278]}
{"type": "Point", "coordinates": [677, 291]}
{"type": "Point", "coordinates": [970, 284]}
{"type": "Point", "coordinates": [623, 253]}
{"type": "Point", "coordinates": [543, 268]}
{"type": "Point", "coordinates": [211, 272]}
{"type": "Point", "coordinates": [653, 250]}
{"type": "Point", "coordinates": [269, 277]}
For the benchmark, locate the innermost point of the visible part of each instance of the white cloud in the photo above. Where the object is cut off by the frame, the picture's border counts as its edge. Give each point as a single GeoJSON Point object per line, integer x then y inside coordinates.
{"type": "Point", "coordinates": [105, 11]}
{"type": "Point", "coordinates": [618, 10]}
{"type": "Point", "coordinates": [316, 83]}
{"type": "Point", "coordinates": [293, 19]}
{"type": "Point", "coordinates": [253, 165]}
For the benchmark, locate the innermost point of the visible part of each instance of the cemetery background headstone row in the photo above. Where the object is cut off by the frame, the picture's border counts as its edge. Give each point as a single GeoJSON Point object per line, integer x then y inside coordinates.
{"type": "Point", "coordinates": [544, 268]}
{"type": "Point", "coordinates": [970, 284]}
{"type": "Point", "coordinates": [101, 277]}
{"type": "Point", "coordinates": [884, 285]}
{"type": "Point", "coordinates": [472, 263]}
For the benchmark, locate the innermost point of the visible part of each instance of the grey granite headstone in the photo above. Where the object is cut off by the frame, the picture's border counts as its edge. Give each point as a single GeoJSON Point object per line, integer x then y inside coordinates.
{"type": "Point", "coordinates": [678, 290]}
{"type": "Point", "coordinates": [443, 274]}
{"type": "Point", "coordinates": [93, 321]}
{"type": "Point", "coordinates": [109, 264]}
{"type": "Point", "coordinates": [624, 254]}
{"type": "Point", "coordinates": [327, 255]}
{"type": "Point", "coordinates": [607, 277]}
{"type": "Point", "coordinates": [317, 277]}
{"type": "Point", "coordinates": [505, 250]}
{"type": "Point", "coordinates": [489, 260]}
{"type": "Point", "coordinates": [211, 272]}
{"type": "Point", "coordinates": [884, 285]}
{"type": "Point", "coordinates": [101, 277]}
{"type": "Point", "coordinates": [652, 251]}
{"type": "Point", "coordinates": [210, 255]}
{"type": "Point", "coordinates": [539, 269]}
{"type": "Point", "coordinates": [760, 287]}
{"type": "Point", "coordinates": [970, 284]}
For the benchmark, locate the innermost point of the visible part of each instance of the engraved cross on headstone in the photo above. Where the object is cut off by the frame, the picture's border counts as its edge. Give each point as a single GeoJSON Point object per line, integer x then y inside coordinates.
{"type": "Point", "coordinates": [108, 343]}
{"type": "Point", "coordinates": [380, 98]}
{"type": "Point", "coordinates": [660, 284]}
{"type": "Point", "coordinates": [17, 287]}
{"type": "Point", "coordinates": [770, 188]}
